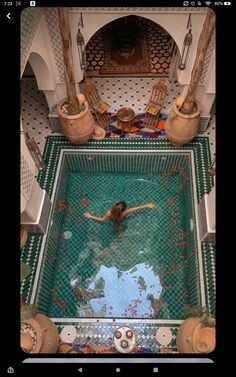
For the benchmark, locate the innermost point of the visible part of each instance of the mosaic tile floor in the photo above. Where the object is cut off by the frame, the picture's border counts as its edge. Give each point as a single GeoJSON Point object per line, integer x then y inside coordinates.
{"type": "Point", "coordinates": [87, 335]}
{"type": "Point", "coordinates": [116, 90]}
{"type": "Point", "coordinates": [133, 92]}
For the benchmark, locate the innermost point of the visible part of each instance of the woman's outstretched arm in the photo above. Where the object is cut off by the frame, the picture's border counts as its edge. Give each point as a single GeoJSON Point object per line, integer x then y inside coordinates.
{"type": "Point", "coordinates": [100, 219]}
{"type": "Point", "coordinates": [134, 209]}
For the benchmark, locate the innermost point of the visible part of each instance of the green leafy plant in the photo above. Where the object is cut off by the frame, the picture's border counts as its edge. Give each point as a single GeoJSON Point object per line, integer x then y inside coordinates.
{"type": "Point", "coordinates": [200, 312]}
{"type": "Point", "coordinates": [208, 321]}
{"type": "Point", "coordinates": [193, 311]}
{"type": "Point", "coordinates": [27, 311]}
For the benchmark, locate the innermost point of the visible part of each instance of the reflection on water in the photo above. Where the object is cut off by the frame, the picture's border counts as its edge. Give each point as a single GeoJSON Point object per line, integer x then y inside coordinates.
{"type": "Point", "coordinates": [130, 293]}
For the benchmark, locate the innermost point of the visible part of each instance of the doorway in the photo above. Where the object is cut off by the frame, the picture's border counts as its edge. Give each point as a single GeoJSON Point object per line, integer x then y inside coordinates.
{"type": "Point", "coordinates": [130, 46]}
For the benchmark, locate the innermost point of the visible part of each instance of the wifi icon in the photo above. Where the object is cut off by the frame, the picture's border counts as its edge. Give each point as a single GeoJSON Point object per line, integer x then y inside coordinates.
{"type": "Point", "coordinates": [208, 3]}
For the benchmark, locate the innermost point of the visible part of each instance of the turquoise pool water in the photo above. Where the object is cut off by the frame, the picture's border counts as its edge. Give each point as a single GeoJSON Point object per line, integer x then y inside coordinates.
{"type": "Point", "coordinates": [136, 272]}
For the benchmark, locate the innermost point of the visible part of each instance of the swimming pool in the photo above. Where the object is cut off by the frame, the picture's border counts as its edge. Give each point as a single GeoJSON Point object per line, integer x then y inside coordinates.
{"type": "Point", "coordinates": [157, 256]}
{"type": "Point", "coordinates": [152, 268]}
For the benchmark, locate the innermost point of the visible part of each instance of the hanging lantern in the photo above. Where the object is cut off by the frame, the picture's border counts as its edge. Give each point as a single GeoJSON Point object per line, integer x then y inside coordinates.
{"type": "Point", "coordinates": [81, 49]}
{"type": "Point", "coordinates": [35, 153]}
{"type": "Point", "coordinates": [187, 43]}
{"type": "Point", "coordinates": [186, 47]}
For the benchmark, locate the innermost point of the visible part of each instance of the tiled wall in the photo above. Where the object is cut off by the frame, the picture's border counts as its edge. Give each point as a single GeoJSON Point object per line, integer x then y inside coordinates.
{"type": "Point", "coordinates": [29, 255]}
{"type": "Point", "coordinates": [128, 162]}
{"type": "Point", "coordinates": [51, 246]}
{"type": "Point", "coordinates": [29, 22]}
{"type": "Point", "coordinates": [191, 256]}
{"type": "Point", "coordinates": [210, 51]}
{"type": "Point", "coordinates": [208, 251]}
{"type": "Point", "coordinates": [51, 17]}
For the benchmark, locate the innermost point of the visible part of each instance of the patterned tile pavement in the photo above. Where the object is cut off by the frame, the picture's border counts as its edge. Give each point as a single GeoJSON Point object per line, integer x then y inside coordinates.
{"type": "Point", "coordinates": [86, 336]}
{"type": "Point", "coordinates": [115, 90]}
{"type": "Point", "coordinates": [133, 92]}
{"type": "Point", "coordinates": [209, 255]}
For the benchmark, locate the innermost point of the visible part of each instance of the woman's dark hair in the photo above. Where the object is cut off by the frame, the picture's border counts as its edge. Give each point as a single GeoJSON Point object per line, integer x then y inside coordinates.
{"type": "Point", "coordinates": [116, 211]}
{"type": "Point", "coordinates": [122, 205]}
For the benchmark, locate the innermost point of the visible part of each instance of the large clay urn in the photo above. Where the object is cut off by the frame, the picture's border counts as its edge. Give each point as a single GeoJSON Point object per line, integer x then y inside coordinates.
{"type": "Point", "coordinates": [39, 335]}
{"type": "Point", "coordinates": [182, 124]}
{"type": "Point", "coordinates": [181, 128]}
{"type": "Point", "coordinates": [79, 128]}
{"type": "Point", "coordinates": [193, 337]}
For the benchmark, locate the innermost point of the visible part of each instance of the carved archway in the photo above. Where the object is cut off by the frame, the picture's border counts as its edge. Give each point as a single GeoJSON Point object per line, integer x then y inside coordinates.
{"type": "Point", "coordinates": [163, 57]}
{"type": "Point", "coordinates": [42, 73]}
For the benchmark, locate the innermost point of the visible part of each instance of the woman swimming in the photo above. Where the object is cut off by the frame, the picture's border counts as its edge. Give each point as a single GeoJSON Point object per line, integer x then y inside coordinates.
{"type": "Point", "coordinates": [118, 212]}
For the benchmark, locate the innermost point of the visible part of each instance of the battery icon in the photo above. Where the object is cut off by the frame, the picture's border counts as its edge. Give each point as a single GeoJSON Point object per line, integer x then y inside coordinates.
{"type": "Point", "coordinates": [227, 3]}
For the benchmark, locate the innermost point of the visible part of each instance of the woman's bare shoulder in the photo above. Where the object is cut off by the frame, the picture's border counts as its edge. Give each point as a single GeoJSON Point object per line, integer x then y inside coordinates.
{"type": "Point", "coordinates": [108, 213]}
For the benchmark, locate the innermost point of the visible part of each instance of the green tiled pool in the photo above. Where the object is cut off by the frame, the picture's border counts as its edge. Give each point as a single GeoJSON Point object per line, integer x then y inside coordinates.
{"type": "Point", "coordinates": [88, 272]}
{"type": "Point", "coordinates": [145, 269]}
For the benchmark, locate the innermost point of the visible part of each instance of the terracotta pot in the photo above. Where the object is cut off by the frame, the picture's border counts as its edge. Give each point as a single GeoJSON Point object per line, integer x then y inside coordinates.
{"type": "Point", "coordinates": [79, 128]}
{"type": "Point", "coordinates": [181, 128]}
{"type": "Point", "coordinates": [193, 337]}
{"type": "Point", "coordinates": [203, 339]}
{"type": "Point", "coordinates": [39, 335]}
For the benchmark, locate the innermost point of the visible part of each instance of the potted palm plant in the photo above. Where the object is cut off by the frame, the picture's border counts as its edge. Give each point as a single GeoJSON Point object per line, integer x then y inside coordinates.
{"type": "Point", "coordinates": [197, 333]}
{"type": "Point", "coordinates": [76, 120]}
{"type": "Point", "coordinates": [183, 121]}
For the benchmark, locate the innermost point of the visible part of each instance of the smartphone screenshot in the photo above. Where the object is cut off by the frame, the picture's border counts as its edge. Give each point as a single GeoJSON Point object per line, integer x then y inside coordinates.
{"type": "Point", "coordinates": [115, 268]}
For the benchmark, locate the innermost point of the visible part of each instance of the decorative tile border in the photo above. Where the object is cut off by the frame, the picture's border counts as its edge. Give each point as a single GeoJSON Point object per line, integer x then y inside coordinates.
{"type": "Point", "coordinates": [87, 334]}
{"type": "Point", "coordinates": [208, 251]}
{"type": "Point", "coordinates": [200, 147]}
{"type": "Point", "coordinates": [52, 22]}
{"type": "Point", "coordinates": [30, 18]}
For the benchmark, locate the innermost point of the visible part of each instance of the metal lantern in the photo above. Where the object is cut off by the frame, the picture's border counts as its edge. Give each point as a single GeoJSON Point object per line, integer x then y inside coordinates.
{"type": "Point", "coordinates": [35, 153]}
{"type": "Point", "coordinates": [187, 43]}
{"type": "Point", "coordinates": [81, 49]}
